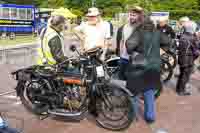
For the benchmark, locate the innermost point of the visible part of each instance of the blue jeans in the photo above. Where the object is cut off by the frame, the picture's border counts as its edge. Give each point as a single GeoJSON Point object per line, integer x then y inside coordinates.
{"type": "Point", "coordinates": [149, 105]}
{"type": "Point", "coordinates": [123, 66]}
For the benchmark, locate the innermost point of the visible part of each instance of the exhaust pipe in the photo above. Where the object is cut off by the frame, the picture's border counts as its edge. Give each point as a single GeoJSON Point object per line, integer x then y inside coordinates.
{"type": "Point", "coordinates": [65, 114]}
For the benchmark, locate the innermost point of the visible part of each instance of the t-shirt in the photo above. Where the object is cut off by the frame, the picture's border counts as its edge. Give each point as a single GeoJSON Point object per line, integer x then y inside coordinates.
{"type": "Point", "coordinates": [126, 32]}
{"type": "Point", "coordinates": [95, 35]}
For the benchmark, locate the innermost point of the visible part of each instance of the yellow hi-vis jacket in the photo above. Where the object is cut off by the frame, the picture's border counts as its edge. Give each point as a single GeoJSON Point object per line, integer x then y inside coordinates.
{"type": "Point", "coordinates": [44, 52]}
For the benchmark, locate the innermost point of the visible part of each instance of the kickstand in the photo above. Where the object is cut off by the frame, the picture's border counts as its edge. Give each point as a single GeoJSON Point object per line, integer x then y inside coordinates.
{"type": "Point", "coordinates": [43, 117]}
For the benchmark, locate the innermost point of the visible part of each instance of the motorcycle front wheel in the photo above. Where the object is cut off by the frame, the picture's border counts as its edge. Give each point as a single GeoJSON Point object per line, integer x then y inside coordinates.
{"type": "Point", "coordinates": [114, 108]}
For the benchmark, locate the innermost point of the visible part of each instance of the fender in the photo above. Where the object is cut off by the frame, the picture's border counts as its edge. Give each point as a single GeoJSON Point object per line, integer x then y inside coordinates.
{"type": "Point", "coordinates": [22, 77]}
{"type": "Point", "coordinates": [113, 59]}
{"type": "Point", "coordinates": [122, 85]}
{"type": "Point", "coordinates": [20, 87]}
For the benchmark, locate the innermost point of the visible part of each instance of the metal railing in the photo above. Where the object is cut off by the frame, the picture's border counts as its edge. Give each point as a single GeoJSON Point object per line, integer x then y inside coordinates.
{"type": "Point", "coordinates": [19, 56]}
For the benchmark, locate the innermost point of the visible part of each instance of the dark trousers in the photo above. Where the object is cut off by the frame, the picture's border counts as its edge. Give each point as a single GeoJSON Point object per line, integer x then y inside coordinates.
{"type": "Point", "coordinates": [183, 78]}
{"type": "Point", "coordinates": [123, 68]}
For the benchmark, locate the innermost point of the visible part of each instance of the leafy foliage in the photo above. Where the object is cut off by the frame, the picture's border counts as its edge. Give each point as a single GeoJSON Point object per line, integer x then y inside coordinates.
{"type": "Point", "coordinates": [110, 7]}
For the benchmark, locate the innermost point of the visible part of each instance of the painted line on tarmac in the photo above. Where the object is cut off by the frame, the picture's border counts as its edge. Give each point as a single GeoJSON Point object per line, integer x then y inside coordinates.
{"type": "Point", "coordinates": [16, 101]}
{"type": "Point", "coordinates": [10, 97]}
{"type": "Point", "coordinates": [7, 93]}
{"type": "Point", "coordinates": [13, 101]}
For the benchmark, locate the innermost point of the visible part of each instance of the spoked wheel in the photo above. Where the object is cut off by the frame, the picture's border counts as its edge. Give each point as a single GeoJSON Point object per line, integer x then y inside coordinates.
{"type": "Point", "coordinates": [171, 57]}
{"type": "Point", "coordinates": [29, 100]}
{"type": "Point", "coordinates": [166, 71]}
{"type": "Point", "coordinates": [173, 60]}
{"type": "Point", "coordinates": [115, 110]}
{"type": "Point", "coordinates": [113, 67]}
{"type": "Point", "coordinates": [113, 72]}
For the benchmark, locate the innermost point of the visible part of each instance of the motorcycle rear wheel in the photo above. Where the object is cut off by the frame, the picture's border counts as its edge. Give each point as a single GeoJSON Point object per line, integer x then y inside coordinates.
{"type": "Point", "coordinates": [35, 107]}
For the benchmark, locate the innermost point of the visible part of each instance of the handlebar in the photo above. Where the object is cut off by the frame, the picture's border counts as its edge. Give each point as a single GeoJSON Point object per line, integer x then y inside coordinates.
{"type": "Point", "coordinates": [94, 52]}
{"type": "Point", "coordinates": [58, 65]}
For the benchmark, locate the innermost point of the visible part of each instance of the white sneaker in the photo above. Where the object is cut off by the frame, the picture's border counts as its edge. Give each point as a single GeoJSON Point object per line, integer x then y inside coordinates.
{"type": "Point", "coordinates": [2, 123]}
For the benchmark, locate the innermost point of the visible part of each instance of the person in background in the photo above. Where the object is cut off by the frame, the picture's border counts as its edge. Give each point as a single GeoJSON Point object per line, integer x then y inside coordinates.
{"type": "Point", "coordinates": [188, 52]}
{"type": "Point", "coordinates": [180, 23]}
{"type": "Point", "coordinates": [167, 32]}
{"type": "Point", "coordinates": [186, 19]}
{"type": "Point", "coordinates": [41, 25]}
{"type": "Point", "coordinates": [198, 45]}
{"type": "Point", "coordinates": [165, 28]}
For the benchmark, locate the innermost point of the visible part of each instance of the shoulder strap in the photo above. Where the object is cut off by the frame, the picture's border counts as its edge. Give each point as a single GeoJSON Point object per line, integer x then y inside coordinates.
{"type": "Point", "coordinates": [43, 33]}
{"type": "Point", "coordinates": [42, 38]}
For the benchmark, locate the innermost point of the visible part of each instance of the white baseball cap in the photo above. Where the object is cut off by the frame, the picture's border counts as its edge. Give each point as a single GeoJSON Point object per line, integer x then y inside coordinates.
{"type": "Point", "coordinates": [184, 19]}
{"type": "Point", "coordinates": [93, 12]}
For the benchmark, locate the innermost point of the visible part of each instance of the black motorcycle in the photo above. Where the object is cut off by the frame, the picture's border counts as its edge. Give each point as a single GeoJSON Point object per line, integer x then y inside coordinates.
{"type": "Point", "coordinates": [171, 53]}
{"type": "Point", "coordinates": [166, 70]}
{"type": "Point", "coordinates": [52, 90]}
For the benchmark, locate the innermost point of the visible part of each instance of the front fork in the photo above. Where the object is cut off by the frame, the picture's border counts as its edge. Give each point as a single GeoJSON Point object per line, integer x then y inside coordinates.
{"type": "Point", "coordinates": [20, 87]}
{"type": "Point", "coordinates": [97, 96]}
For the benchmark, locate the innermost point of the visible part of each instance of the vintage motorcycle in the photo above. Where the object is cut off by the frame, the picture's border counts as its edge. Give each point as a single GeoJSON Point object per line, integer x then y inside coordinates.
{"type": "Point", "coordinates": [53, 90]}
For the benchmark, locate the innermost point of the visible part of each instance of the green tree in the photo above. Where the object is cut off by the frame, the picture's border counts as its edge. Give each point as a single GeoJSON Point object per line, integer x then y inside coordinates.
{"type": "Point", "coordinates": [56, 3]}
{"type": "Point", "coordinates": [110, 7]}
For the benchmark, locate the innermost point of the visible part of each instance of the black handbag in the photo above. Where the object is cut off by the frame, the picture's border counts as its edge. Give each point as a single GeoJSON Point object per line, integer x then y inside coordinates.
{"type": "Point", "coordinates": [138, 57]}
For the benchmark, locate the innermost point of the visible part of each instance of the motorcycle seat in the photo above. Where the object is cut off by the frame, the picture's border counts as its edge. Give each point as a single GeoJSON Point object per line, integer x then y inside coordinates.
{"type": "Point", "coordinates": [46, 73]}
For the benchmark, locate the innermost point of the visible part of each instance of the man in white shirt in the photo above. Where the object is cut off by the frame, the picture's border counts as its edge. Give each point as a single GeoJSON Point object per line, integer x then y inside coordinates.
{"type": "Point", "coordinates": [94, 32]}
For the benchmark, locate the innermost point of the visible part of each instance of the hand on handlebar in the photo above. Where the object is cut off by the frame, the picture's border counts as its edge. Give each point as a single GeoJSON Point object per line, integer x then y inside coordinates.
{"type": "Point", "coordinates": [93, 49]}
{"type": "Point", "coordinates": [67, 61]}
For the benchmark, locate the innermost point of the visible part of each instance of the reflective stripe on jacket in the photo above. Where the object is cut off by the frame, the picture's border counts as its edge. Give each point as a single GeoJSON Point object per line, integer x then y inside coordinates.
{"type": "Point", "coordinates": [44, 51]}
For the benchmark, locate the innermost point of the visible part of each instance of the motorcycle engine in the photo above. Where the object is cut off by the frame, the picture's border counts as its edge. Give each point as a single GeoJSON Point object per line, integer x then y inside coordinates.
{"type": "Point", "coordinates": [74, 95]}
{"type": "Point", "coordinates": [71, 87]}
